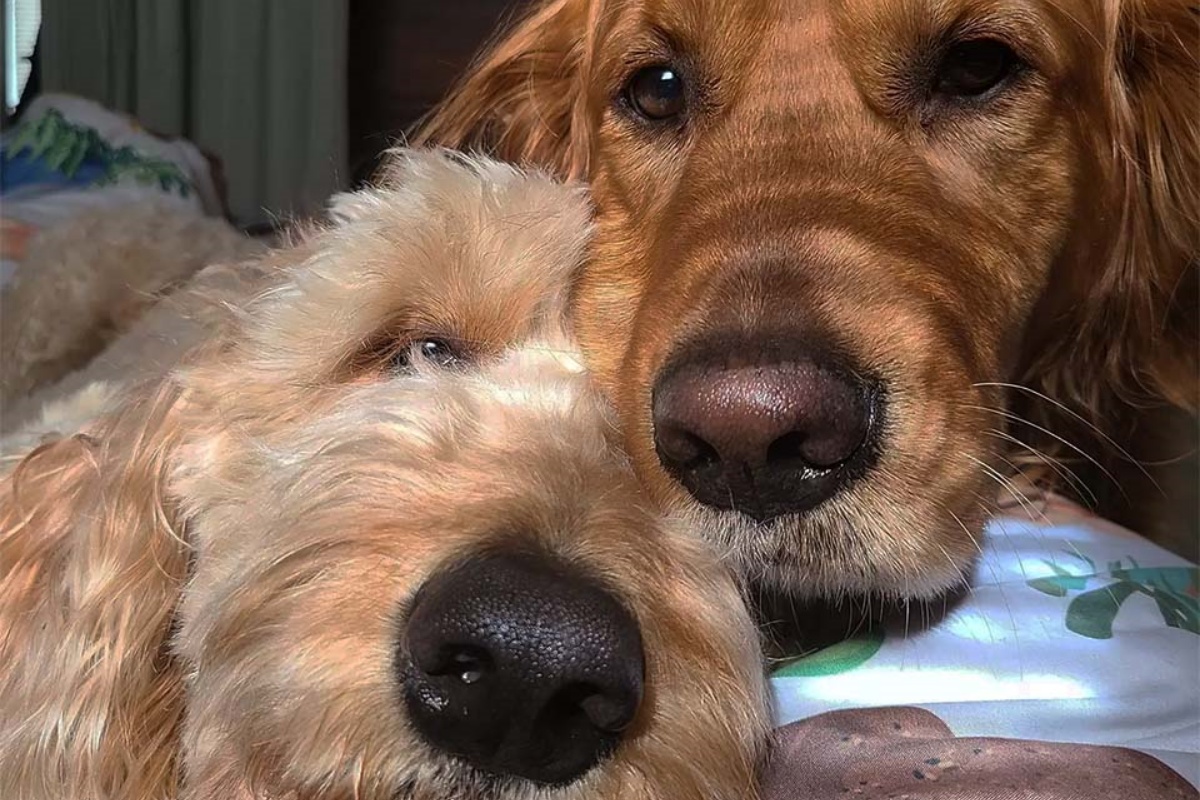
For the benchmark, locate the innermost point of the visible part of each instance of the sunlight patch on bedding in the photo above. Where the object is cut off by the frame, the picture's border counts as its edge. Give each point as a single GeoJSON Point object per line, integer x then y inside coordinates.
{"type": "Point", "coordinates": [928, 685]}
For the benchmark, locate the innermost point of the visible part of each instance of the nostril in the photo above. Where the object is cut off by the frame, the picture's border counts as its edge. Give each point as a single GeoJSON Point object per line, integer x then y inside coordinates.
{"type": "Point", "coordinates": [685, 448]}
{"type": "Point", "coordinates": [608, 713]}
{"type": "Point", "coordinates": [471, 669]}
{"type": "Point", "coordinates": [584, 703]}
{"type": "Point", "coordinates": [789, 447]}
{"type": "Point", "coordinates": [463, 661]}
{"type": "Point", "coordinates": [819, 448]}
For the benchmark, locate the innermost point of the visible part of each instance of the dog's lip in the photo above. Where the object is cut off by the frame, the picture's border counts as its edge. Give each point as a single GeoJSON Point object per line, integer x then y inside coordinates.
{"type": "Point", "coordinates": [751, 503]}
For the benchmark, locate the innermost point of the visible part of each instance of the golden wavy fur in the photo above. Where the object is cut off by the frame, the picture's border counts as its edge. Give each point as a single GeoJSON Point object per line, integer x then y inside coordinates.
{"type": "Point", "coordinates": [200, 591]}
{"type": "Point", "coordinates": [1016, 266]}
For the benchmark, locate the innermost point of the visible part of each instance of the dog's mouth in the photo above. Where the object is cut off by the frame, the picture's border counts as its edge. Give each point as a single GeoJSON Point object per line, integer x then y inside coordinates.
{"type": "Point", "coordinates": [520, 667]}
{"type": "Point", "coordinates": [792, 628]}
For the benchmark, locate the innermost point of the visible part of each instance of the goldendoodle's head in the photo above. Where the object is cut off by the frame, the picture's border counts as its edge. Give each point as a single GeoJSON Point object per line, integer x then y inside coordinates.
{"type": "Point", "coordinates": [373, 541]}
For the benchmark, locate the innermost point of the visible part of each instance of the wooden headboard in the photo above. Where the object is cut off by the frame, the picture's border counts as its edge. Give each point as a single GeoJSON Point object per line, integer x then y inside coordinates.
{"type": "Point", "coordinates": [403, 56]}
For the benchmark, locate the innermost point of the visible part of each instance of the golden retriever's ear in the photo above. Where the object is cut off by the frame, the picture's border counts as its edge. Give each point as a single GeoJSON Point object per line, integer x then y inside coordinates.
{"type": "Point", "coordinates": [1155, 106]}
{"type": "Point", "coordinates": [90, 570]}
{"type": "Point", "coordinates": [525, 99]}
{"type": "Point", "coordinates": [1128, 326]}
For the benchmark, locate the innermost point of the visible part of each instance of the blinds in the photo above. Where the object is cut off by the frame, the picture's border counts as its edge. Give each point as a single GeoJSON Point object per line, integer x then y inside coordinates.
{"type": "Point", "coordinates": [22, 18]}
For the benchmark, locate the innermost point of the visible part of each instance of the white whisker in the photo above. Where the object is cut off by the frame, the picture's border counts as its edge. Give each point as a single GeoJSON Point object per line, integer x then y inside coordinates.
{"type": "Point", "coordinates": [1104, 437]}
{"type": "Point", "coordinates": [1061, 440]}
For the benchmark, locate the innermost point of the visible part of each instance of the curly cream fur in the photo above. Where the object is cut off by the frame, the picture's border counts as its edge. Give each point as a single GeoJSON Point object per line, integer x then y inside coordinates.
{"type": "Point", "coordinates": [84, 281]}
{"type": "Point", "coordinates": [199, 591]}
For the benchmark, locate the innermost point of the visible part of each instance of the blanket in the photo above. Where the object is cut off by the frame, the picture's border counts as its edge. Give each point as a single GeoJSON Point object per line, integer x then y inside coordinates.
{"type": "Point", "coordinates": [1070, 670]}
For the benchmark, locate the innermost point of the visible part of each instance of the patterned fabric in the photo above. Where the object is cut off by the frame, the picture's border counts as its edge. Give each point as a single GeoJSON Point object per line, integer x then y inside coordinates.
{"type": "Point", "coordinates": [1076, 632]}
{"type": "Point", "coordinates": [68, 155]}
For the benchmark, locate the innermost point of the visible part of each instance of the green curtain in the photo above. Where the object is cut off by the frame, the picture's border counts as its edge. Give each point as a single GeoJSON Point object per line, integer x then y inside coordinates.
{"type": "Point", "coordinates": [260, 83]}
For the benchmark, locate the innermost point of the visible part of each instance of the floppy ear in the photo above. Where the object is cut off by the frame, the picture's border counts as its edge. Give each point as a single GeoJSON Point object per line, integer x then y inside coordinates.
{"type": "Point", "coordinates": [1155, 105]}
{"type": "Point", "coordinates": [1132, 334]}
{"type": "Point", "coordinates": [90, 569]}
{"type": "Point", "coordinates": [525, 98]}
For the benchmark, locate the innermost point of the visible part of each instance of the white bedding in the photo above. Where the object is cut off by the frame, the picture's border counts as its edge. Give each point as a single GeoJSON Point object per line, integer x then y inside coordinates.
{"type": "Point", "coordinates": [1075, 630]}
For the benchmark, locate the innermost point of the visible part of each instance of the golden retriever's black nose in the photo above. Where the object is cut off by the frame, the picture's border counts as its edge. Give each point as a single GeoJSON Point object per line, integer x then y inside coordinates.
{"type": "Point", "coordinates": [765, 435]}
{"type": "Point", "coordinates": [521, 667]}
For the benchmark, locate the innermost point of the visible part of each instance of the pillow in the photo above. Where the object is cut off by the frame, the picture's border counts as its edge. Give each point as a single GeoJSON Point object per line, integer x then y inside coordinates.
{"type": "Point", "coordinates": [68, 155]}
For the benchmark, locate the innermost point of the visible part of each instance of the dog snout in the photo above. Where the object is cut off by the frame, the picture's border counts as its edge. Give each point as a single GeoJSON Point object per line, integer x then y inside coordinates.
{"type": "Point", "coordinates": [522, 667]}
{"type": "Point", "coordinates": [762, 431]}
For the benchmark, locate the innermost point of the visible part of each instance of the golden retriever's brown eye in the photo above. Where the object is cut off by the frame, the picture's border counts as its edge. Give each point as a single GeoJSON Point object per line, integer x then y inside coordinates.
{"type": "Point", "coordinates": [434, 351]}
{"type": "Point", "coordinates": [974, 67]}
{"type": "Point", "coordinates": [656, 93]}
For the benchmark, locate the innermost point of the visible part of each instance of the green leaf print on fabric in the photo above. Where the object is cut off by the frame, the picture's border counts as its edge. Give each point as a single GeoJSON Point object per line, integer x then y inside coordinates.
{"type": "Point", "coordinates": [1062, 582]}
{"type": "Point", "coordinates": [1175, 591]}
{"type": "Point", "coordinates": [64, 147]}
{"type": "Point", "coordinates": [833, 660]}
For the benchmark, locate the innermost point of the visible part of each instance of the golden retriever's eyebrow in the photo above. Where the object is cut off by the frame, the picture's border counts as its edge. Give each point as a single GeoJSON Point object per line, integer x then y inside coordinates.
{"type": "Point", "coordinates": [646, 48]}
{"type": "Point", "coordinates": [1021, 29]}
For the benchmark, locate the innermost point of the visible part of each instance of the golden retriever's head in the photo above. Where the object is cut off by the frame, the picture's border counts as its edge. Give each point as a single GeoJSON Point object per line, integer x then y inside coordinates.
{"type": "Point", "coordinates": [373, 541]}
{"type": "Point", "coordinates": [831, 233]}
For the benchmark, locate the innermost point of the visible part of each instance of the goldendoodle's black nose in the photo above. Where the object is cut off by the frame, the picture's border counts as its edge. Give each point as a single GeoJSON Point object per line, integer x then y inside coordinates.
{"type": "Point", "coordinates": [521, 666]}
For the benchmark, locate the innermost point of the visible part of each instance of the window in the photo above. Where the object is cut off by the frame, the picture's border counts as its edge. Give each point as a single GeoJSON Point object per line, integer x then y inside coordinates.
{"type": "Point", "coordinates": [22, 18]}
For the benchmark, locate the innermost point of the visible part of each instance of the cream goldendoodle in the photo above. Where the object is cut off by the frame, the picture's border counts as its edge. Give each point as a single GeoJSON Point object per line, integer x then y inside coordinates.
{"type": "Point", "coordinates": [370, 540]}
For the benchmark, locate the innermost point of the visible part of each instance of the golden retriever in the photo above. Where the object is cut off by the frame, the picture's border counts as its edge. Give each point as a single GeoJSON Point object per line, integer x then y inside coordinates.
{"type": "Point", "coordinates": [857, 261]}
